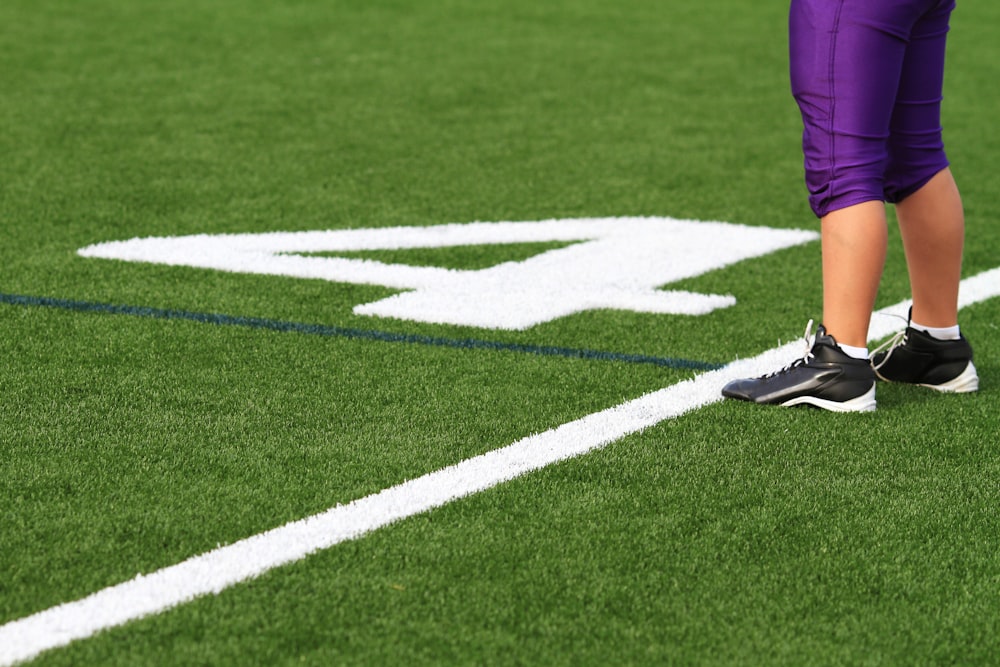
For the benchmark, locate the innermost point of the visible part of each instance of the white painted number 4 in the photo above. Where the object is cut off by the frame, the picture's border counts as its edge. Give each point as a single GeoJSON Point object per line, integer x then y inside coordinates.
{"type": "Point", "coordinates": [617, 263]}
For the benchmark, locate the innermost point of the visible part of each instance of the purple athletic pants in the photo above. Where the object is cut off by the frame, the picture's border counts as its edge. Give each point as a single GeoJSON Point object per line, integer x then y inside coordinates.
{"type": "Point", "coordinates": [867, 76]}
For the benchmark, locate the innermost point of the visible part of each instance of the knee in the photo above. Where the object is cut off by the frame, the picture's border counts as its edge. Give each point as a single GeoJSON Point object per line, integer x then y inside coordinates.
{"type": "Point", "coordinates": [851, 175]}
{"type": "Point", "coordinates": [909, 170]}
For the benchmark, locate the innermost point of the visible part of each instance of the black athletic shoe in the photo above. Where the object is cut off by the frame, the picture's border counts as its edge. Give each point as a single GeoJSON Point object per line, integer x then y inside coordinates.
{"type": "Point", "coordinates": [915, 357]}
{"type": "Point", "coordinates": [825, 378]}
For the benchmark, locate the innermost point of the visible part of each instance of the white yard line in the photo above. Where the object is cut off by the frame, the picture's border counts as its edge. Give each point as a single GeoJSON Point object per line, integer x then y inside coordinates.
{"type": "Point", "coordinates": [221, 568]}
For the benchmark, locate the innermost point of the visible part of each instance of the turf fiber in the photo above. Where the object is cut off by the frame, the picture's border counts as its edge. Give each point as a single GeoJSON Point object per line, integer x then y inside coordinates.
{"type": "Point", "coordinates": [731, 535]}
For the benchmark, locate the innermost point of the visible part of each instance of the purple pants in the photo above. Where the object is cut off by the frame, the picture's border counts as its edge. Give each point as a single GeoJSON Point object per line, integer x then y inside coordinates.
{"type": "Point", "coordinates": [867, 76]}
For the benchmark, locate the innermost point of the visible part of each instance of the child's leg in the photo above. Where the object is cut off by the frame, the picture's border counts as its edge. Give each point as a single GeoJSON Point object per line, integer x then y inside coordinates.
{"type": "Point", "coordinates": [928, 203]}
{"type": "Point", "coordinates": [933, 227]}
{"type": "Point", "coordinates": [854, 243]}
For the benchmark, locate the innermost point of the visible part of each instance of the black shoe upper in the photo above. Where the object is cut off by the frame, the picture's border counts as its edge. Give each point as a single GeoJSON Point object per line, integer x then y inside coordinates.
{"type": "Point", "coordinates": [826, 373]}
{"type": "Point", "coordinates": [923, 359]}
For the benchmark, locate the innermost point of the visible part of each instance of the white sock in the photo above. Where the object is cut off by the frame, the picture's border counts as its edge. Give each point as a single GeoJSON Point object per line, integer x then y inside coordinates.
{"type": "Point", "coordinates": [941, 333]}
{"type": "Point", "coordinates": [856, 352]}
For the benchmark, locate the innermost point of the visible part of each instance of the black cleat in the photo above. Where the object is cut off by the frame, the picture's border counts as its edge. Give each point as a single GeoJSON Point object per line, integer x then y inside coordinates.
{"type": "Point", "coordinates": [826, 378]}
{"type": "Point", "coordinates": [915, 357]}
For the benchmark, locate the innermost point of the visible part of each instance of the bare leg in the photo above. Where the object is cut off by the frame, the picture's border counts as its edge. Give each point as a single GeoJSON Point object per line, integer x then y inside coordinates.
{"type": "Point", "coordinates": [932, 223]}
{"type": "Point", "coordinates": [854, 245]}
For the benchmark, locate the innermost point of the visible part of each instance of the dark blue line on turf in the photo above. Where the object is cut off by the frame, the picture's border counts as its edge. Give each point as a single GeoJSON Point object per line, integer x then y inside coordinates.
{"type": "Point", "coordinates": [341, 332]}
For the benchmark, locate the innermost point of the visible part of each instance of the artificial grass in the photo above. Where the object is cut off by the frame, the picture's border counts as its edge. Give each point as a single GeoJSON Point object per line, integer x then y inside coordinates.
{"type": "Point", "coordinates": [858, 540]}
{"type": "Point", "coordinates": [731, 535]}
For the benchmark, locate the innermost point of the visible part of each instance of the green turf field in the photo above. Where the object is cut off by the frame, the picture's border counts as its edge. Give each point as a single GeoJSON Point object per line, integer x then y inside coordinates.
{"type": "Point", "coordinates": [152, 413]}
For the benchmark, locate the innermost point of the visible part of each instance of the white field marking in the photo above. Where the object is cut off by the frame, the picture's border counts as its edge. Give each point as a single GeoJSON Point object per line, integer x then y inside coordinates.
{"type": "Point", "coordinates": [246, 559]}
{"type": "Point", "coordinates": [618, 263]}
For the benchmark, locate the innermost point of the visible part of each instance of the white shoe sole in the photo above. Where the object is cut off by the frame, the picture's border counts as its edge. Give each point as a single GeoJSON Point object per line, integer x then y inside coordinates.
{"type": "Point", "coordinates": [967, 382]}
{"type": "Point", "coordinates": [863, 403]}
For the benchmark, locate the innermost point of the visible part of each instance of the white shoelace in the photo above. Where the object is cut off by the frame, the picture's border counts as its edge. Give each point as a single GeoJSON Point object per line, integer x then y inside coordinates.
{"type": "Point", "coordinates": [891, 344]}
{"type": "Point", "coordinates": [806, 356]}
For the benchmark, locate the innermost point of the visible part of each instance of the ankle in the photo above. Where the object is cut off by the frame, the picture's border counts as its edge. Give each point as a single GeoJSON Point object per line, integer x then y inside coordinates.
{"type": "Point", "coordinates": [941, 333]}
{"type": "Point", "coordinates": [854, 351]}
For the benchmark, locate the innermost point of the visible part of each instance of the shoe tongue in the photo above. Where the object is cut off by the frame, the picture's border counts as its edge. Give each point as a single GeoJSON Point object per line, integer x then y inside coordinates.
{"type": "Point", "coordinates": [822, 337]}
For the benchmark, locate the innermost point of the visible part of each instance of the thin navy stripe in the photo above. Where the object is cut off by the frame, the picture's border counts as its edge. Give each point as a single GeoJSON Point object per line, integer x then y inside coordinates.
{"type": "Point", "coordinates": [341, 332]}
